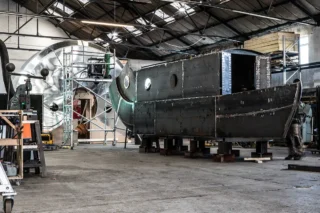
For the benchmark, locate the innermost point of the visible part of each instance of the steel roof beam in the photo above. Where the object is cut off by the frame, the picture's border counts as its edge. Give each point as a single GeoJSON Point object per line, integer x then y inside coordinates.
{"type": "Point", "coordinates": [101, 29]}
{"type": "Point", "coordinates": [44, 9]}
{"type": "Point", "coordinates": [257, 32]}
{"type": "Point", "coordinates": [305, 11]}
{"type": "Point", "coordinates": [170, 33]}
{"type": "Point", "coordinates": [130, 39]}
{"type": "Point", "coordinates": [225, 23]}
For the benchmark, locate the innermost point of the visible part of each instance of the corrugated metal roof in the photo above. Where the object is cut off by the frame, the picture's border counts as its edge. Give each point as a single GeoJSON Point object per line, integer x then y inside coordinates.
{"type": "Point", "coordinates": [182, 28]}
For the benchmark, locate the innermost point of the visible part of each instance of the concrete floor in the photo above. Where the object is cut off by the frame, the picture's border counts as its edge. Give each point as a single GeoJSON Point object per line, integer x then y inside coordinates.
{"type": "Point", "coordinates": [109, 179]}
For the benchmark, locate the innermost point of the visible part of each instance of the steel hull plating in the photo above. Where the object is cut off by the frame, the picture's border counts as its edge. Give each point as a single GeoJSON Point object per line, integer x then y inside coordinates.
{"type": "Point", "coordinates": [179, 111]}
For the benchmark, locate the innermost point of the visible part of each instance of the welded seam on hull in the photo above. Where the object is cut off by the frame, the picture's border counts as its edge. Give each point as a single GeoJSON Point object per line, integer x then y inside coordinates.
{"type": "Point", "coordinates": [155, 118]}
{"type": "Point", "coordinates": [212, 96]}
{"type": "Point", "coordinates": [269, 71]}
{"type": "Point", "coordinates": [182, 84]}
{"type": "Point", "coordinates": [252, 113]}
{"type": "Point", "coordinates": [257, 75]}
{"type": "Point", "coordinates": [215, 117]}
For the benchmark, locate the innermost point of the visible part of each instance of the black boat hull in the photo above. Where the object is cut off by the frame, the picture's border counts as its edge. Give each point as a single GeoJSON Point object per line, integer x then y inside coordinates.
{"type": "Point", "coordinates": [185, 108]}
{"type": "Point", "coordinates": [253, 115]}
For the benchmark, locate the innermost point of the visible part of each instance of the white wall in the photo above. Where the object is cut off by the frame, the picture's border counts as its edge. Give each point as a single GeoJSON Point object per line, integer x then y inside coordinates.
{"type": "Point", "coordinates": [314, 45]}
{"type": "Point", "coordinates": [10, 24]}
{"type": "Point", "coordinates": [310, 78]}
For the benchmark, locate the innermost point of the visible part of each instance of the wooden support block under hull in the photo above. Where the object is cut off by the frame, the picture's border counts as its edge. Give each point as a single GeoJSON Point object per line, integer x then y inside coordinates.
{"type": "Point", "coordinates": [224, 158]}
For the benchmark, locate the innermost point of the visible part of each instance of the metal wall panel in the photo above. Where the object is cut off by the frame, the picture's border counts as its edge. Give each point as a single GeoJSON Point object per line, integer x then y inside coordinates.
{"type": "Point", "coordinates": [167, 118]}
{"type": "Point", "coordinates": [186, 117]}
{"type": "Point", "coordinates": [257, 100]}
{"type": "Point", "coordinates": [198, 117]}
{"type": "Point", "coordinates": [268, 125]}
{"type": "Point", "coordinates": [202, 76]}
{"type": "Point", "coordinates": [197, 77]}
{"type": "Point", "coordinates": [260, 114]}
{"type": "Point", "coordinates": [160, 77]}
{"type": "Point", "coordinates": [144, 116]}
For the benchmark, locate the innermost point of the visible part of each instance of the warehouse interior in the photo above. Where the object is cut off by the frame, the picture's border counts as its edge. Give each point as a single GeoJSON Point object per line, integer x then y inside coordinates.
{"type": "Point", "coordinates": [159, 105]}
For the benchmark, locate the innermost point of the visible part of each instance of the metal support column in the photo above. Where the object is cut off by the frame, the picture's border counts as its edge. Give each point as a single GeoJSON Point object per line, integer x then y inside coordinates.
{"type": "Point", "coordinates": [67, 98]}
{"type": "Point", "coordinates": [287, 58]}
{"type": "Point", "coordinates": [72, 79]}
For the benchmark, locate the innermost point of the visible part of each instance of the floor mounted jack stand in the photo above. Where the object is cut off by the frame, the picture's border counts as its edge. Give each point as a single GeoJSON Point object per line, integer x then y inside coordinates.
{"type": "Point", "coordinates": [225, 152]}
{"type": "Point", "coordinates": [197, 149]}
{"type": "Point", "coordinates": [261, 150]}
{"type": "Point", "coordinates": [7, 191]}
{"type": "Point", "coordinates": [147, 145]}
{"type": "Point", "coordinates": [173, 146]}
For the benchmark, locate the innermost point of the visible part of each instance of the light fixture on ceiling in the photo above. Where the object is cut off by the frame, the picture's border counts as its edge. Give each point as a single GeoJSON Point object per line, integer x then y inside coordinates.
{"type": "Point", "coordinates": [115, 34]}
{"type": "Point", "coordinates": [105, 23]}
{"type": "Point", "coordinates": [182, 9]}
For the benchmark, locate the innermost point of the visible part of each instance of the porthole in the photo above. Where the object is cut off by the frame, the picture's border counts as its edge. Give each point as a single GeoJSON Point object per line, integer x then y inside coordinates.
{"type": "Point", "coordinates": [126, 82]}
{"type": "Point", "coordinates": [147, 84]}
{"type": "Point", "coordinates": [173, 80]}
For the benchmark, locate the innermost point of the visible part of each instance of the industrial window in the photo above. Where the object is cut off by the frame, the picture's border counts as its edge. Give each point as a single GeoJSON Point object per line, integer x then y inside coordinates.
{"type": "Point", "coordinates": [304, 50]}
{"type": "Point", "coordinates": [144, 22]}
{"type": "Point", "coordinates": [182, 7]}
{"type": "Point", "coordinates": [64, 8]}
{"type": "Point", "coordinates": [51, 12]}
{"type": "Point", "coordinates": [84, 1]}
{"type": "Point", "coordinates": [164, 16]}
{"type": "Point", "coordinates": [114, 37]}
{"type": "Point", "coordinates": [134, 30]}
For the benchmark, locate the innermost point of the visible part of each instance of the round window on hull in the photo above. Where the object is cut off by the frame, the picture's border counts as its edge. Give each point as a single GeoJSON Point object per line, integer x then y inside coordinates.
{"type": "Point", "coordinates": [126, 82]}
{"type": "Point", "coordinates": [173, 80]}
{"type": "Point", "coordinates": [147, 84]}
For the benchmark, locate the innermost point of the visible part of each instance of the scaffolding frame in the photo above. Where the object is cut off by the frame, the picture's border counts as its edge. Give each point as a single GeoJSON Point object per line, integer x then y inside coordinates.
{"type": "Point", "coordinates": [287, 58]}
{"type": "Point", "coordinates": [69, 81]}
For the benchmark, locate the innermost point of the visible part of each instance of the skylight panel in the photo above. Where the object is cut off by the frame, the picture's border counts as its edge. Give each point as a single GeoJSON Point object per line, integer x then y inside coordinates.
{"type": "Point", "coordinates": [51, 12]}
{"type": "Point", "coordinates": [165, 17]}
{"type": "Point", "coordinates": [144, 22]}
{"type": "Point", "coordinates": [84, 1]}
{"type": "Point", "coordinates": [64, 8]}
{"type": "Point", "coordinates": [182, 7]}
{"type": "Point", "coordinates": [134, 31]}
{"type": "Point", "coordinates": [114, 37]}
